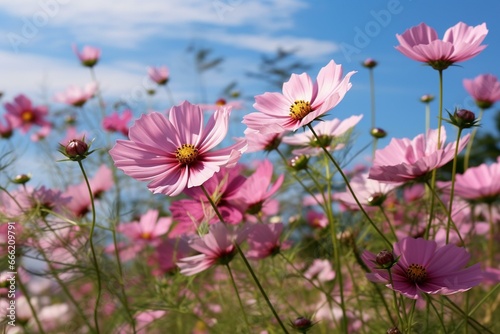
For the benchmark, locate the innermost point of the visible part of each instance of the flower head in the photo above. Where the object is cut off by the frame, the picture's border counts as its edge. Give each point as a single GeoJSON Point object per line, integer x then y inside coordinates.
{"type": "Point", "coordinates": [423, 267]}
{"type": "Point", "coordinates": [460, 42]}
{"type": "Point", "coordinates": [23, 115]}
{"type": "Point", "coordinates": [117, 123]}
{"type": "Point", "coordinates": [175, 152]}
{"type": "Point", "coordinates": [264, 240]}
{"type": "Point", "coordinates": [160, 75]}
{"type": "Point", "coordinates": [215, 247]}
{"type": "Point", "coordinates": [484, 89]}
{"type": "Point", "coordinates": [76, 96]}
{"type": "Point", "coordinates": [301, 102]}
{"type": "Point", "coordinates": [149, 228]}
{"type": "Point", "coordinates": [404, 160]}
{"type": "Point", "coordinates": [89, 56]}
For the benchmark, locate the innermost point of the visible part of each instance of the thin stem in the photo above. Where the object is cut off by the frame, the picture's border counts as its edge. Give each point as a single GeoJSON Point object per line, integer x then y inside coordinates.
{"type": "Point", "coordinates": [452, 191]}
{"type": "Point", "coordinates": [412, 313]}
{"type": "Point", "coordinates": [32, 308]}
{"type": "Point", "coordinates": [388, 222]}
{"type": "Point", "coordinates": [473, 322]}
{"type": "Point", "coordinates": [395, 299]}
{"type": "Point", "coordinates": [441, 322]}
{"type": "Point", "coordinates": [372, 106]}
{"type": "Point", "coordinates": [332, 159]}
{"type": "Point", "coordinates": [102, 105]}
{"type": "Point", "coordinates": [247, 264]}
{"type": "Point", "coordinates": [170, 95]}
{"type": "Point", "coordinates": [440, 113]}
{"type": "Point", "coordinates": [239, 298]}
{"type": "Point", "coordinates": [491, 239]}
{"type": "Point", "coordinates": [92, 250]}
{"type": "Point", "coordinates": [427, 117]}
{"type": "Point", "coordinates": [468, 149]}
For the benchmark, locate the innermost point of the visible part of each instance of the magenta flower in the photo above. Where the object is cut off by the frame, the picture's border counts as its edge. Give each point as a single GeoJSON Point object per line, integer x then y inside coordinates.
{"type": "Point", "coordinates": [404, 160]}
{"type": "Point", "coordinates": [460, 42]}
{"type": "Point", "coordinates": [149, 228]}
{"type": "Point", "coordinates": [23, 115]}
{"type": "Point", "coordinates": [174, 153]}
{"type": "Point", "coordinates": [264, 240]}
{"type": "Point", "coordinates": [330, 135]}
{"type": "Point", "coordinates": [484, 89]}
{"type": "Point", "coordinates": [302, 101]}
{"type": "Point", "coordinates": [76, 96]}
{"type": "Point", "coordinates": [423, 267]}
{"type": "Point", "coordinates": [216, 247]}
{"type": "Point", "coordinates": [117, 123]}
{"type": "Point", "coordinates": [160, 75]}
{"type": "Point", "coordinates": [89, 55]}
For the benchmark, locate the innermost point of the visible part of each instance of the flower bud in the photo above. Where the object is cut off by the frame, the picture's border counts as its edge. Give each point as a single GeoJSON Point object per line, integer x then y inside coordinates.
{"type": "Point", "coordinates": [376, 199]}
{"type": "Point", "coordinates": [301, 324]}
{"type": "Point", "coordinates": [462, 118]}
{"type": "Point", "coordinates": [427, 98]}
{"type": "Point", "coordinates": [151, 91]}
{"type": "Point", "coordinates": [378, 133]}
{"type": "Point", "coordinates": [369, 63]}
{"type": "Point", "coordinates": [21, 179]}
{"type": "Point", "coordinates": [465, 115]}
{"type": "Point", "coordinates": [484, 104]}
{"type": "Point", "coordinates": [393, 330]}
{"type": "Point", "coordinates": [299, 162]}
{"type": "Point", "coordinates": [385, 259]}
{"type": "Point", "coordinates": [76, 149]}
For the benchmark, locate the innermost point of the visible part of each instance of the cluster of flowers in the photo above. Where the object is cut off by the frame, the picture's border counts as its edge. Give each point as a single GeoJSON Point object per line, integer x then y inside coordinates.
{"type": "Point", "coordinates": [314, 239]}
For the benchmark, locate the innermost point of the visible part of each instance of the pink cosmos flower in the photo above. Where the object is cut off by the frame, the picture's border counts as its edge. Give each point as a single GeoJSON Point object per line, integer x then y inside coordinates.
{"type": "Point", "coordinates": [23, 115]}
{"type": "Point", "coordinates": [316, 219]}
{"type": "Point", "coordinates": [329, 132]}
{"type": "Point", "coordinates": [169, 252]}
{"type": "Point", "coordinates": [216, 247]}
{"type": "Point", "coordinates": [369, 192]}
{"type": "Point", "coordinates": [41, 133]}
{"type": "Point", "coordinates": [320, 270]}
{"type": "Point", "coordinates": [423, 267]}
{"type": "Point", "coordinates": [256, 192]}
{"type": "Point", "coordinates": [264, 240]}
{"type": "Point", "coordinates": [89, 55]}
{"type": "Point", "coordinates": [460, 42]}
{"type": "Point", "coordinates": [148, 229]}
{"type": "Point", "coordinates": [404, 160]}
{"type": "Point", "coordinates": [484, 89]}
{"type": "Point", "coordinates": [261, 142]}
{"type": "Point", "coordinates": [76, 96]}
{"type": "Point", "coordinates": [174, 153]}
{"type": "Point", "coordinates": [223, 188]}
{"type": "Point", "coordinates": [117, 123]}
{"type": "Point", "coordinates": [478, 184]}
{"type": "Point", "coordinates": [302, 101]}
{"type": "Point", "coordinates": [160, 75]}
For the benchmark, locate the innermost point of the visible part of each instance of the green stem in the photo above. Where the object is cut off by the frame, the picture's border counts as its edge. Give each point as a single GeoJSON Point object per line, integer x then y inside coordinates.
{"type": "Point", "coordinates": [427, 118]}
{"type": "Point", "coordinates": [247, 264]}
{"type": "Point", "coordinates": [468, 150]}
{"type": "Point", "coordinates": [239, 298]}
{"type": "Point", "coordinates": [491, 239]}
{"type": "Point", "coordinates": [32, 308]}
{"type": "Point", "coordinates": [395, 299]}
{"type": "Point", "coordinates": [388, 222]}
{"type": "Point", "coordinates": [372, 107]}
{"type": "Point", "coordinates": [473, 322]}
{"type": "Point", "coordinates": [92, 250]}
{"type": "Point", "coordinates": [170, 95]}
{"type": "Point", "coordinates": [332, 159]}
{"type": "Point", "coordinates": [441, 322]}
{"type": "Point", "coordinates": [452, 191]}
{"type": "Point", "coordinates": [440, 115]}
{"type": "Point", "coordinates": [102, 105]}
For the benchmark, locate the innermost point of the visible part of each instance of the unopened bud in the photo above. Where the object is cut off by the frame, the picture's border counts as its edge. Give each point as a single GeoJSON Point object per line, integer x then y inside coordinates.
{"type": "Point", "coordinates": [466, 115]}
{"type": "Point", "coordinates": [378, 133]}
{"type": "Point", "coordinates": [76, 148]}
{"type": "Point", "coordinates": [385, 259]}
{"type": "Point", "coordinates": [151, 91]}
{"type": "Point", "coordinates": [301, 324]}
{"type": "Point", "coordinates": [462, 119]}
{"type": "Point", "coordinates": [369, 63]}
{"type": "Point", "coordinates": [427, 98]}
{"type": "Point", "coordinates": [376, 199]}
{"type": "Point", "coordinates": [22, 178]}
{"type": "Point", "coordinates": [299, 162]}
{"type": "Point", "coordinates": [393, 330]}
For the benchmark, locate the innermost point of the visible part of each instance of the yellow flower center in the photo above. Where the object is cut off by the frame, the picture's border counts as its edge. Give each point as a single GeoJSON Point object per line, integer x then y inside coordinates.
{"type": "Point", "coordinates": [416, 273]}
{"type": "Point", "coordinates": [220, 102]}
{"type": "Point", "coordinates": [300, 109]}
{"type": "Point", "coordinates": [186, 154]}
{"type": "Point", "coordinates": [27, 116]}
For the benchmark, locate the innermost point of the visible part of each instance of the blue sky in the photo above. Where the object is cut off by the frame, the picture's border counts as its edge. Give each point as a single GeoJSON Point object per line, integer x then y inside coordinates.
{"type": "Point", "coordinates": [36, 56]}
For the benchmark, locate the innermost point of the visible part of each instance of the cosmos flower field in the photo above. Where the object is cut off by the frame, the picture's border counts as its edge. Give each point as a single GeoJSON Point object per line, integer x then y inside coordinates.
{"type": "Point", "coordinates": [161, 224]}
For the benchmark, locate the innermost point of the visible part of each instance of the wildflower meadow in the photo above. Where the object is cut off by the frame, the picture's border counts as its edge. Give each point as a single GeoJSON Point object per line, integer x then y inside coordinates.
{"type": "Point", "coordinates": [174, 221]}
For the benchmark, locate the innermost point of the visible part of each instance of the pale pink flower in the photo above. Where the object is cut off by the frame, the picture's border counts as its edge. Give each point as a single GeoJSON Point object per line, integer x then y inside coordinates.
{"type": "Point", "coordinates": [424, 268]}
{"type": "Point", "coordinates": [160, 75]}
{"type": "Point", "coordinates": [460, 42]}
{"type": "Point", "coordinates": [478, 184]}
{"type": "Point", "coordinates": [175, 152]}
{"type": "Point", "coordinates": [316, 219]}
{"type": "Point", "coordinates": [484, 89]}
{"type": "Point", "coordinates": [223, 188]}
{"type": "Point", "coordinates": [169, 252]}
{"type": "Point", "coordinates": [261, 142]}
{"type": "Point", "coordinates": [117, 123]}
{"type": "Point", "coordinates": [89, 56]}
{"type": "Point", "coordinates": [369, 192]}
{"type": "Point", "coordinates": [330, 133]}
{"type": "Point", "coordinates": [148, 229]}
{"type": "Point", "coordinates": [76, 96]}
{"type": "Point", "coordinates": [320, 270]}
{"type": "Point", "coordinates": [101, 181]}
{"type": "Point", "coordinates": [302, 101]}
{"type": "Point", "coordinates": [41, 133]}
{"type": "Point", "coordinates": [23, 115]}
{"type": "Point", "coordinates": [216, 247]}
{"type": "Point", "coordinates": [264, 240]}
{"type": "Point", "coordinates": [258, 189]}
{"type": "Point", "coordinates": [405, 160]}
